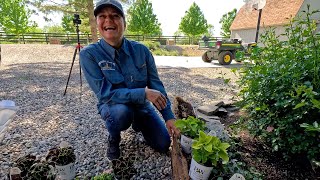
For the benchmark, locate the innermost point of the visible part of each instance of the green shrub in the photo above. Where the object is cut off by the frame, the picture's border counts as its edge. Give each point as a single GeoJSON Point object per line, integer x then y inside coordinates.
{"type": "Point", "coordinates": [280, 89]}
{"type": "Point", "coordinates": [156, 49]}
{"type": "Point", "coordinates": [163, 52]}
{"type": "Point", "coordinates": [151, 45]}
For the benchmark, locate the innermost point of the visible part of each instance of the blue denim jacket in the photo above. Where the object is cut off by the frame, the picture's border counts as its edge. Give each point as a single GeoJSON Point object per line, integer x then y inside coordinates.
{"type": "Point", "coordinates": [120, 76]}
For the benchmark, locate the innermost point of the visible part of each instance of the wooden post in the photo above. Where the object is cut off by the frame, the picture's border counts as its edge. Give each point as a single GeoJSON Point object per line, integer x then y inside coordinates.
{"type": "Point", "coordinates": [47, 40]}
{"type": "Point", "coordinates": [178, 162]}
{"type": "Point", "coordinates": [0, 54]}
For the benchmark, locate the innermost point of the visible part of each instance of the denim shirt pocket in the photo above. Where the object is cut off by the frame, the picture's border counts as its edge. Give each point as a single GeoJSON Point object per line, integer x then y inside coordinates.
{"type": "Point", "coordinates": [142, 73]}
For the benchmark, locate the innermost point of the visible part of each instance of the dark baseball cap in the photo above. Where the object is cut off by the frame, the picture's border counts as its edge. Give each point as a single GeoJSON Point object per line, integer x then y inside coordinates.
{"type": "Point", "coordinates": [105, 3]}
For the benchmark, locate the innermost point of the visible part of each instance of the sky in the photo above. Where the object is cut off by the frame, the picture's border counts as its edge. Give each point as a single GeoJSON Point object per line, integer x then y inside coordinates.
{"type": "Point", "coordinates": [170, 12]}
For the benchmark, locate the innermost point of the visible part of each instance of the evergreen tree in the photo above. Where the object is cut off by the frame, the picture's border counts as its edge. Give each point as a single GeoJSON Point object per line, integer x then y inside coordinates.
{"type": "Point", "coordinates": [141, 19]}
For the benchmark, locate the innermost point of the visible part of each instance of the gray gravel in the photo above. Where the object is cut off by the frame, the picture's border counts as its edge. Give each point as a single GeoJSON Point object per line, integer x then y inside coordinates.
{"type": "Point", "coordinates": [34, 76]}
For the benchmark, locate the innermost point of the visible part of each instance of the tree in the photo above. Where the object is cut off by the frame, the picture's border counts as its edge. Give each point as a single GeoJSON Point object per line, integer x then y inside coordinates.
{"type": "Point", "coordinates": [14, 17]}
{"type": "Point", "coordinates": [141, 19]}
{"type": "Point", "coordinates": [82, 7]}
{"type": "Point", "coordinates": [193, 23]}
{"type": "Point", "coordinates": [54, 29]}
{"type": "Point", "coordinates": [226, 22]}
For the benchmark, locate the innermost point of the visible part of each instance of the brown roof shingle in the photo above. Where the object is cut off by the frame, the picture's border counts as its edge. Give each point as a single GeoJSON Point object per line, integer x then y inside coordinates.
{"type": "Point", "coordinates": [274, 13]}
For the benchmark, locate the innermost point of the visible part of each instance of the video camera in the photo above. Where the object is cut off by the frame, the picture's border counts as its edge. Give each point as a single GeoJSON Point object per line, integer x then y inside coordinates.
{"type": "Point", "coordinates": [76, 19]}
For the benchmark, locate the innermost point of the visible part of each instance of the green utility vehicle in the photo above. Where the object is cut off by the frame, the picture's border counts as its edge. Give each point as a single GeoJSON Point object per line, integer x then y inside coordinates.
{"type": "Point", "coordinates": [224, 50]}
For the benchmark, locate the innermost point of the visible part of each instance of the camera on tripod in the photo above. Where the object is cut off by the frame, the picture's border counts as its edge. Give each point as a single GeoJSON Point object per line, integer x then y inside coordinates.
{"type": "Point", "coordinates": [76, 19]}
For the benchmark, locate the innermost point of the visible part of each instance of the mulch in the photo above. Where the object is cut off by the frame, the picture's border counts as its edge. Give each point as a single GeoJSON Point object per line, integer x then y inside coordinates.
{"type": "Point", "coordinates": [256, 153]}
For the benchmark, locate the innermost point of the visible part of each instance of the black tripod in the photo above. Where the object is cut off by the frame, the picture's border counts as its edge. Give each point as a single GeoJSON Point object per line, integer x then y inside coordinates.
{"type": "Point", "coordinates": [76, 21]}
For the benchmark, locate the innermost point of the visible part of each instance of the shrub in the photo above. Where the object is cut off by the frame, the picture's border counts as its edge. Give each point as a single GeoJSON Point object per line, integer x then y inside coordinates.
{"type": "Point", "coordinates": [156, 49]}
{"type": "Point", "coordinates": [151, 45]}
{"type": "Point", "coordinates": [280, 89]}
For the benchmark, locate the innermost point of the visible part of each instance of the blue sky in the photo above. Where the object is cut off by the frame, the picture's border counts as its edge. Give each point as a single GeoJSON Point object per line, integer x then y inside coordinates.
{"type": "Point", "coordinates": [170, 12]}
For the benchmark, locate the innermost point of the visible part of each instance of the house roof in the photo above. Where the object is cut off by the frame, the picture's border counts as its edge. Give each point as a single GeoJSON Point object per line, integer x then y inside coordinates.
{"type": "Point", "coordinates": [274, 13]}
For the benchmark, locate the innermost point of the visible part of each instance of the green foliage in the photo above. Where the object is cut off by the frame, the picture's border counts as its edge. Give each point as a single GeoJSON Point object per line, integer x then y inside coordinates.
{"type": "Point", "coordinates": [191, 126]}
{"type": "Point", "coordinates": [226, 22]}
{"type": "Point", "coordinates": [151, 45]}
{"type": "Point", "coordinates": [280, 89]}
{"type": "Point", "coordinates": [41, 171]}
{"type": "Point", "coordinates": [163, 52]}
{"type": "Point", "coordinates": [67, 23]}
{"type": "Point", "coordinates": [194, 23]}
{"type": "Point", "coordinates": [156, 49]}
{"type": "Point", "coordinates": [14, 17]}
{"type": "Point", "coordinates": [209, 150]}
{"type": "Point", "coordinates": [311, 128]}
{"type": "Point", "coordinates": [68, 8]}
{"type": "Point", "coordinates": [142, 20]}
{"type": "Point", "coordinates": [235, 164]}
{"type": "Point", "coordinates": [104, 177]}
{"type": "Point", "coordinates": [54, 29]}
{"type": "Point", "coordinates": [24, 163]}
{"type": "Point", "coordinates": [61, 156]}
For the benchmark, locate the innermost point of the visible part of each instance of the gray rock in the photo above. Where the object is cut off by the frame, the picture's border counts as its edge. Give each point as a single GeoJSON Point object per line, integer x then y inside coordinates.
{"type": "Point", "coordinates": [208, 110]}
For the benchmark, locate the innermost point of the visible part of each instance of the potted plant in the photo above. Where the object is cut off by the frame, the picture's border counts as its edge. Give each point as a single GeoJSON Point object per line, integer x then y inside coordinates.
{"type": "Point", "coordinates": [207, 151]}
{"type": "Point", "coordinates": [189, 129]}
{"type": "Point", "coordinates": [41, 170]}
{"type": "Point", "coordinates": [63, 159]}
{"type": "Point", "coordinates": [24, 163]}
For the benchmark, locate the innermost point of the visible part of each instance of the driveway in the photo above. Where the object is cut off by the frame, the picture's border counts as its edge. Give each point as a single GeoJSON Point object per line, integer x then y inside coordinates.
{"type": "Point", "coordinates": [189, 62]}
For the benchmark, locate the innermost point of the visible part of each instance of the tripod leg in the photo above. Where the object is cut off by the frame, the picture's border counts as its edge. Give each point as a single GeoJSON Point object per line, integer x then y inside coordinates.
{"type": "Point", "coordinates": [80, 75]}
{"type": "Point", "coordinates": [74, 57]}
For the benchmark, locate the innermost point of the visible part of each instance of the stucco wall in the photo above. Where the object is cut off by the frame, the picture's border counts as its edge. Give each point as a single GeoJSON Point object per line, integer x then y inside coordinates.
{"type": "Point", "coordinates": [249, 35]}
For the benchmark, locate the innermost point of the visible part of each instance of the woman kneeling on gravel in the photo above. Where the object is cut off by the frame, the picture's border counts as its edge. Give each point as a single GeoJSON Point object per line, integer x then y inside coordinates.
{"type": "Point", "coordinates": [123, 75]}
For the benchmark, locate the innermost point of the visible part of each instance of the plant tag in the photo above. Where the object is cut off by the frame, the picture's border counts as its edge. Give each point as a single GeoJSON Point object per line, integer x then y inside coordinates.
{"type": "Point", "coordinates": [15, 173]}
{"type": "Point", "coordinates": [237, 176]}
{"type": "Point", "coordinates": [64, 144]}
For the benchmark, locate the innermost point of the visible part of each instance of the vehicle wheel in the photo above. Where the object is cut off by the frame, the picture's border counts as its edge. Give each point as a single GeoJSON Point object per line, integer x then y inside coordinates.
{"type": "Point", "coordinates": [205, 58]}
{"type": "Point", "coordinates": [225, 58]}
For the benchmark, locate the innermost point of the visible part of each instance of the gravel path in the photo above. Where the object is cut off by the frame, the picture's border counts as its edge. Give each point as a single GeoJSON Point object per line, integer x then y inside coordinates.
{"type": "Point", "coordinates": [34, 76]}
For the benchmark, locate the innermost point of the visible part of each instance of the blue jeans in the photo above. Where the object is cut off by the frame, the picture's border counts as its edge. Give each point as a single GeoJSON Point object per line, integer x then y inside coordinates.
{"type": "Point", "coordinates": [119, 117]}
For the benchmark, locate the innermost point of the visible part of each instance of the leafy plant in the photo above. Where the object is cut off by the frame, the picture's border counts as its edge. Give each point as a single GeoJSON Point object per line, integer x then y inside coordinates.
{"type": "Point", "coordinates": [41, 171]}
{"type": "Point", "coordinates": [61, 156]}
{"type": "Point", "coordinates": [290, 71]}
{"type": "Point", "coordinates": [104, 176]}
{"type": "Point", "coordinates": [311, 128]}
{"type": "Point", "coordinates": [191, 126]}
{"type": "Point", "coordinates": [24, 163]}
{"type": "Point", "coordinates": [208, 150]}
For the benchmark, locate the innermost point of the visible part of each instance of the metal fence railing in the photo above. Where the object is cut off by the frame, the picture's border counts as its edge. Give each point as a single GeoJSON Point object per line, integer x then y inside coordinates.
{"type": "Point", "coordinates": [71, 38]}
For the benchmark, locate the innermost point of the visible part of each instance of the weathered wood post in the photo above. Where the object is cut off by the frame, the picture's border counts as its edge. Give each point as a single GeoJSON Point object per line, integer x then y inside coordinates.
{"type": "Point", "coordinates": [178, 162]}
{"type": "Point", "coordinates": [0, 54]}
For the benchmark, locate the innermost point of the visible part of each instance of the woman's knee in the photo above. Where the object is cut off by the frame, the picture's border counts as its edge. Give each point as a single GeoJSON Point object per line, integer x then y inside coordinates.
{"type": "Point", "coordinates": [120, 116]}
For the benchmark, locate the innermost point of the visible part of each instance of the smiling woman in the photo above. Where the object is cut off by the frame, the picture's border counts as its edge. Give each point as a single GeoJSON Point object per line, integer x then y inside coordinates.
{"type": "Point", "coordinates": [123, 75]}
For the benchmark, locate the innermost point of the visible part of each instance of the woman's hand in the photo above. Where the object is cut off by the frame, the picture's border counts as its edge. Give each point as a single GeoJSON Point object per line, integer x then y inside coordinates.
{"type": "Point", "coordinates": [157, 98]}
{"type": "Point", "coordinates": [172, 129]}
